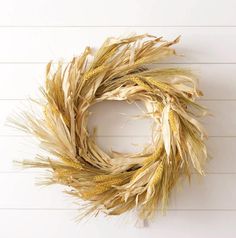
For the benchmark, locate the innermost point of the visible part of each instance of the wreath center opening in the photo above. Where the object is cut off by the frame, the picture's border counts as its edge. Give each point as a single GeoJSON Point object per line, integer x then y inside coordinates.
{"type": "Point", "coordinates": [120, 126]}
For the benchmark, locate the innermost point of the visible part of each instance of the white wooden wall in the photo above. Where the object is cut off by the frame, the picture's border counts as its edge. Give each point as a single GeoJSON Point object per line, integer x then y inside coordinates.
{"type": "Point", "coordinates": [34, 32]}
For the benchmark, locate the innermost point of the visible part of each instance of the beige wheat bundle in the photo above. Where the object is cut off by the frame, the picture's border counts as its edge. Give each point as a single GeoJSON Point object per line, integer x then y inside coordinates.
{"type": "Point", "coordinates": [122, 69]}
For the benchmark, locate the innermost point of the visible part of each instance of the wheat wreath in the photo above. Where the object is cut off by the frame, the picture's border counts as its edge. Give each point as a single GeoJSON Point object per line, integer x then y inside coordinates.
{"type": "Point", "coordinates": [127, 70]}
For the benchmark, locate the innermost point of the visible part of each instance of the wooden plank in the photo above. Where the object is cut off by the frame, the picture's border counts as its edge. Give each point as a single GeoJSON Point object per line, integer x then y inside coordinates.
{"type": "Point", "coordinates": [199, 45]}
{"type": "Point", "coordinates": [51, 223]}
{"type": "Point", "coordinates": [121, 114]}
{"type": "Point", "coordinates": [105, 12]}
{"type": "Point", "coordinates": [217, 81]}
{"type": "Point", "coordinates": [211, 192]}
{"type": "Point", "coordinates": [221, 150]}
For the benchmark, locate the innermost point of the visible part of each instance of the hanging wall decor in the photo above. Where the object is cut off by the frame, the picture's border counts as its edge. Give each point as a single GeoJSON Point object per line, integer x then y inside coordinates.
{"type": "Point", "coordinates": [126, 69]}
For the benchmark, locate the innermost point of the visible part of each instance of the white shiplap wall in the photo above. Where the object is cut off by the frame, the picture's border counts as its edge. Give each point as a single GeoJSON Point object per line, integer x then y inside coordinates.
{"type": "Point", "coordinates": [34, 32]}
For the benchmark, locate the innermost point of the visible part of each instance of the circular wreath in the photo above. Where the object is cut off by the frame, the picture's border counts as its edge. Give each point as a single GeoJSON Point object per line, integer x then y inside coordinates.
{"type": "Point", "coordinates": [122, 69]}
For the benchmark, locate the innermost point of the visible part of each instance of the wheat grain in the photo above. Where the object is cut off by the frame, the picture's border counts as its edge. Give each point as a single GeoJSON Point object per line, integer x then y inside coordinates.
{"type": "Point", "coordinates": [90, 74]}
{"type": "Point", "coordinates": [172, 121]}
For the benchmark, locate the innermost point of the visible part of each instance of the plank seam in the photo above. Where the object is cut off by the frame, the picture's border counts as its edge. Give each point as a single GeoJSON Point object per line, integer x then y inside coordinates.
{"type": "Point", "coordinates": [166, 63]}
{"type": "Point", "coordinates": [117, 26]}
{"type": "Point", "coordinates": [77, 209]}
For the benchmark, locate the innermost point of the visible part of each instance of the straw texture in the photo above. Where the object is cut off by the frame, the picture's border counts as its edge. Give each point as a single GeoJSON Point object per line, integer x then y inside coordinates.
{"type": "Point", "coordinates": [121, 69]}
